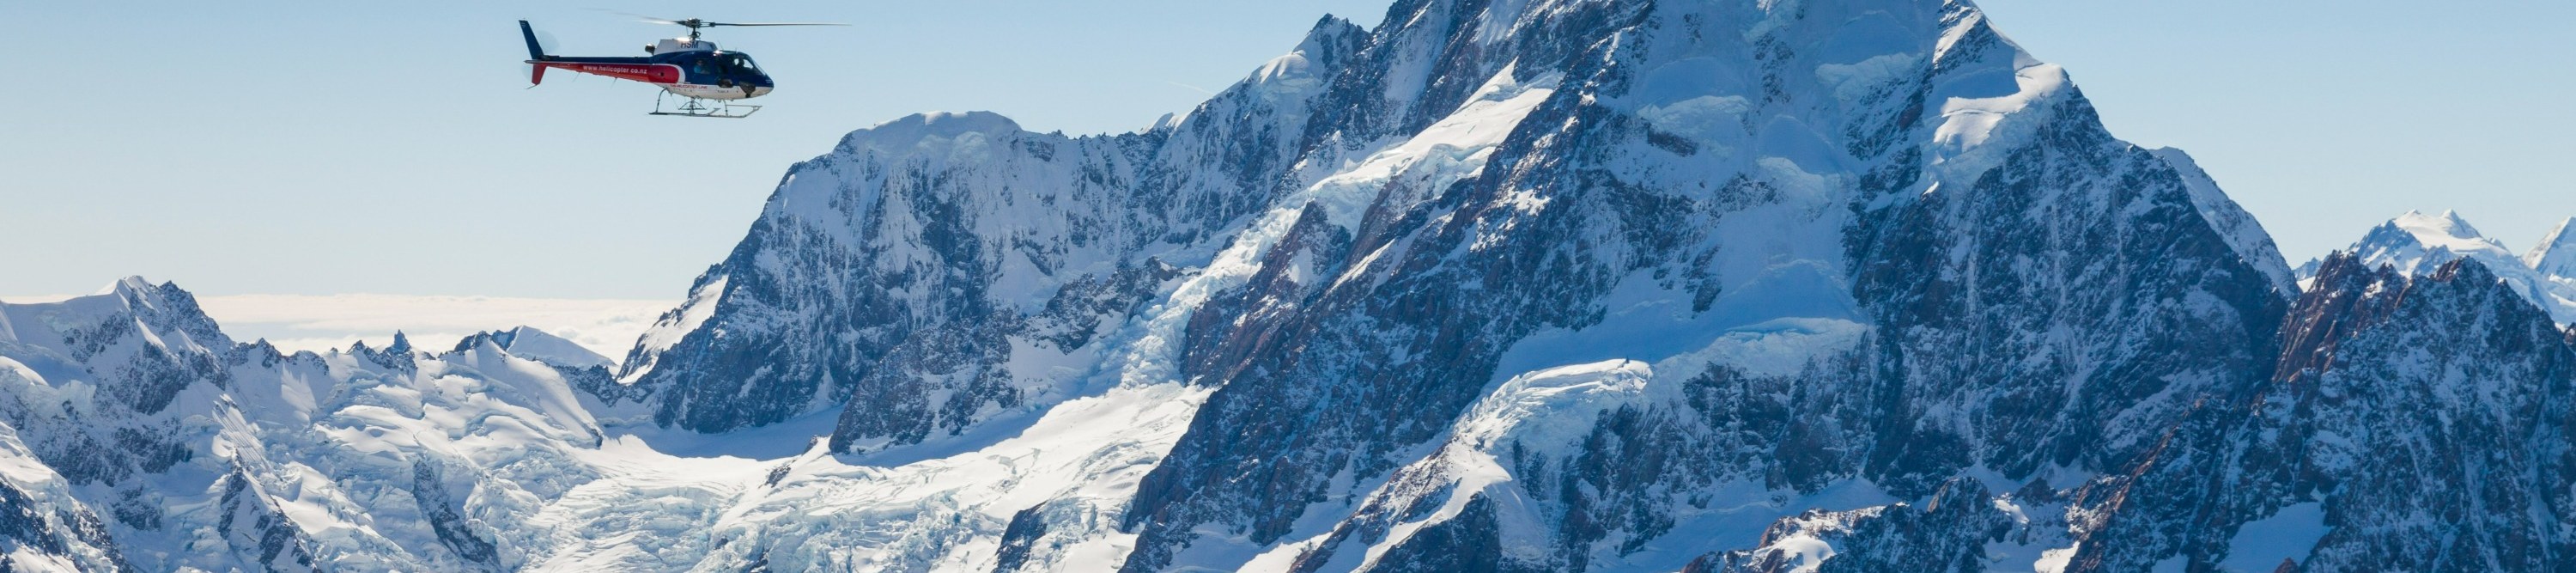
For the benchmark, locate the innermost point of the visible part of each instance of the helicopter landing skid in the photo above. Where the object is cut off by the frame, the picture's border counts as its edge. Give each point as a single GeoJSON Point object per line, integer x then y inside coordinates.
{"type": "Point", "coordinates": [702, 107]}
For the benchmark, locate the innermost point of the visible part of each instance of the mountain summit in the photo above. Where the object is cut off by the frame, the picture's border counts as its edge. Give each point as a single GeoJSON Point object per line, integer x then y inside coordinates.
{"type": "Point", "coordinates": [2556, 254]}
{"type": "Point", "coordinates": [2417, 244]}
{"type": "Point", "coordinates": [1804, 253]}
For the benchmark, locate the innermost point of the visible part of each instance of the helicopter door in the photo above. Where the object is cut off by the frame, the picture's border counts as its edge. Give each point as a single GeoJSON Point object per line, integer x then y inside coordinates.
{"type": "Point", "coordinates": [705, 71]}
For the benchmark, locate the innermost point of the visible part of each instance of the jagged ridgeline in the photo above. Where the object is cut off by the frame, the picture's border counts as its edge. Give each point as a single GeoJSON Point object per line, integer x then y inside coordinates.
{"type": "Point", "coordinates": [1712, 285]}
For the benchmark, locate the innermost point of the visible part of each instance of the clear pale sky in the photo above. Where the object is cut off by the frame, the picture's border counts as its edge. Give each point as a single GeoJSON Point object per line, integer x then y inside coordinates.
{"type": "Point", "coordinates": [311, 147]}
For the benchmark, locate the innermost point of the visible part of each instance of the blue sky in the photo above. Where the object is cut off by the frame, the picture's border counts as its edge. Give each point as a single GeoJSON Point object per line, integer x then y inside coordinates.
{"type": "Point", "coordinates": [376, 147]}
{"type": "Point", "coordinates": [2327, 118]}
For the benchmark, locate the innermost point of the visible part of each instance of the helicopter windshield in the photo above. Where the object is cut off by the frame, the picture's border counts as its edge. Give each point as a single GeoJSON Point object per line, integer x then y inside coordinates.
{"type": "Point", "coordinates": [741, 62]}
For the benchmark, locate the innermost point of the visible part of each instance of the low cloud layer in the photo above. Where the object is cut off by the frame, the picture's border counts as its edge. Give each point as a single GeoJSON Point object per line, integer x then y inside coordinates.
{"type": "Point", "coordinates": [318, 323]}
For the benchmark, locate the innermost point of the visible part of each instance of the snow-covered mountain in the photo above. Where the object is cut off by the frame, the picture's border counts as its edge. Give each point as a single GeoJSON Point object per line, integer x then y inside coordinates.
{"type": "Point", "coordinates": [2416, 423]}
{"type": "Point", "coordinates": [2555, 256]}
{"type": "Point", "coordinates": [2416, 243]}
{"type": "Point", "coordinates": [1522, 285]}
{"type": "Point", "coordinates": [179, 449]}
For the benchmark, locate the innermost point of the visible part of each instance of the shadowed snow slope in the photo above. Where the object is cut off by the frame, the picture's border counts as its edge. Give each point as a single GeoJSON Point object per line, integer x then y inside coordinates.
{"type": "Point", "coordinates": [1509, 285]}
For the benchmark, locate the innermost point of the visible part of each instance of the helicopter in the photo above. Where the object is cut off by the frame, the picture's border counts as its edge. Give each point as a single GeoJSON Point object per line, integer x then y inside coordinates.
{"type": "Point", "coordinates": [710, 78]}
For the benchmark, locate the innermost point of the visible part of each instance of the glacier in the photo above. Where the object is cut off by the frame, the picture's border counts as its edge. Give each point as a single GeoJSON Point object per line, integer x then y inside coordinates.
{"type": "Point", "coordinates": [1519, 285]}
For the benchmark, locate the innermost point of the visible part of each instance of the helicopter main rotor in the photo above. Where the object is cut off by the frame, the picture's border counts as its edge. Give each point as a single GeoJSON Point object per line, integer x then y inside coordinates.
{"type": "Point", "coordinates": [695, 25]}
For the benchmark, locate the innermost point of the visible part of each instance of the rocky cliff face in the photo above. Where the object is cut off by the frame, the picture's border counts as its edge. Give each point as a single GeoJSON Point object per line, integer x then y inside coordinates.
{"type": "Point", "coordinates": [2368, 394]}
{"type": "Point", "coordinates": [2410, 423]}
{"type": "Point", "coordinates": [1848, 288]}
{"type": "Point", "coordinates": [895, 279]}
{"type": "Point", "coordinates": [1855, 246]}
{"type": "Point", "coordinates": [43, 526]}
{"type": "Point", "coordinates": [1558, 285]}
{"type": "Point", "coordinates": [2419, 423]}
{"type": "Point", "coordinates": [134, 374]}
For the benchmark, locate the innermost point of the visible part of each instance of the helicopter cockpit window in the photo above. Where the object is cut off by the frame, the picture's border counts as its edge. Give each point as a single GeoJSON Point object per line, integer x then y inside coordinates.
{"type": "Point", "coordinates": [742, 62]}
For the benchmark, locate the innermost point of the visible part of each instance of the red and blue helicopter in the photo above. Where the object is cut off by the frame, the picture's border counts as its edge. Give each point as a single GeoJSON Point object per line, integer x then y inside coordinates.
{"type": "Point", "coordinates": [710, 78]}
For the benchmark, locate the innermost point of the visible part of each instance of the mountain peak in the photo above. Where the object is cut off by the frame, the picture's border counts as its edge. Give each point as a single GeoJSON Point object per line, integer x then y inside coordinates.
{"type": "Point", "coordinates": [1328, 27]}
{"type": "Point", "coordinates": [2555, 256]}
{"type": "Point", "coordinates": [2447, 224]}
{"type": "Point", "coordinates": [921, 129]}
{"type": "Point", "coordinates": [2446, 231]}
{"type": "Point", "coordinates": [134, 284]}
{"type": "Point", "coordinates": [134, 291]}
{"type": "Point", "coordinates": [533, 344]}
{"type": "Point", "coordinates": [163, 317]}
{"type": "Point", "coordinates": [138, 292]}
{"type": "Point", "coordinates": [2419, 244]}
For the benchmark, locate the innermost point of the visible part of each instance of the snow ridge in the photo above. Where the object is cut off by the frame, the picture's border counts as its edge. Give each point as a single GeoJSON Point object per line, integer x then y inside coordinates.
{"type": "Point", "coordinates": [2243, 233]}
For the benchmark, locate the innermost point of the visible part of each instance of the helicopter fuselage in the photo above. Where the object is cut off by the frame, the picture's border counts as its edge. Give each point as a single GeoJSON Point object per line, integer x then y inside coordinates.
{"type": "Point", "coordinates": [684, 66]}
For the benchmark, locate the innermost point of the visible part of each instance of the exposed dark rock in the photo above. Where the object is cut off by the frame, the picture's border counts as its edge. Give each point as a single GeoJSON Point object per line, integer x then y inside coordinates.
{"type": "Point", "coordinates": [429, 488]}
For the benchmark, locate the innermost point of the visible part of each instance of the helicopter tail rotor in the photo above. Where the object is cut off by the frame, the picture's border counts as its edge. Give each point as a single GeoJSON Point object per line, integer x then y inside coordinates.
{"type": "Point", "coordinates": [538, 45]}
